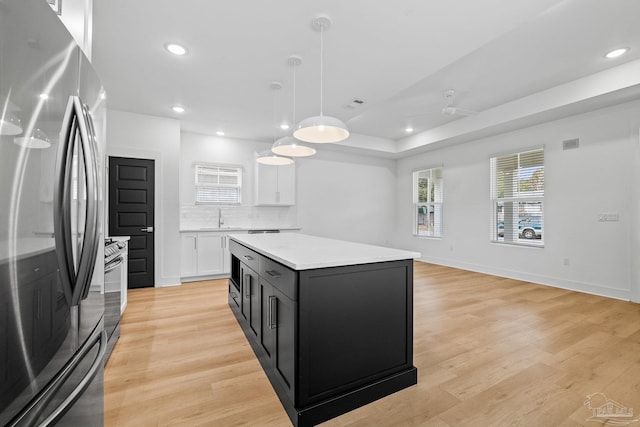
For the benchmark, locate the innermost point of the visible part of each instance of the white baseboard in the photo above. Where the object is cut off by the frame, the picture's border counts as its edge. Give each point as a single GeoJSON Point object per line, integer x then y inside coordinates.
{"type": "Point", "coordinates": [572, 285]}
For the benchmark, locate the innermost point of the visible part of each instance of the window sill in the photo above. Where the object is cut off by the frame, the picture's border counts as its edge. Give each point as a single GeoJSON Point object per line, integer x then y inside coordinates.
{"type": "Point", "coordinates": [524, 244]}
{"type": "Point", "coordinates": [217, 204]}
{"type": "Point", "coordinates": [428, 237]}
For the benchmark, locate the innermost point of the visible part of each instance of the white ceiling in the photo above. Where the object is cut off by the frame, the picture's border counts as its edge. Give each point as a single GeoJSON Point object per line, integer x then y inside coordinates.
{"type": "Point", "coordinates": [511, 60]}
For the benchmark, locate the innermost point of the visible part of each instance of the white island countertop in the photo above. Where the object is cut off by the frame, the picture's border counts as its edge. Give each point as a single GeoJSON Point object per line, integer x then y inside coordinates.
{"type": "Point", "coordinates": [25, 247]}
{"type": "Point", "coordinates": [305, 252]}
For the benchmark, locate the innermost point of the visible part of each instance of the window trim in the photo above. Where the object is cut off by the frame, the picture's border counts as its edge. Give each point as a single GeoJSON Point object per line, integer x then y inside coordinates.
{"type": "Point", "coordinates": [416, 203]}
{"type": "Point", "coordinates": [239, 172]}
{"type": "Point", "coordinates": [494, 200]}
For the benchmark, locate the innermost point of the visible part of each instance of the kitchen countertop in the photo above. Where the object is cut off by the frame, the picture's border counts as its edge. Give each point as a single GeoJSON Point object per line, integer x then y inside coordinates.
{"type": "Point", "coordinates": [225, 229]}
{"type": "Point", "coordinates": [25, 247]}
{"type": "Point", "coordinates": [305, 252]}
{"type": "Point", "coordinates": [118, 238]}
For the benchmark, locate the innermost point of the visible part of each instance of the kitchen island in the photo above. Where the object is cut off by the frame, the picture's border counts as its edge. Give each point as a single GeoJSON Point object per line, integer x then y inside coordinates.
{"type": "Point", "coordinates": [330, 321]}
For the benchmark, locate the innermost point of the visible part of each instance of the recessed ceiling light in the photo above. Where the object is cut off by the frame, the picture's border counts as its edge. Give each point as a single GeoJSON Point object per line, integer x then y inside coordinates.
{"type": "Point", "coordinates": [176, 49]}
{"type": "Point", "coordinates": [178, 109]}
{"type": "Point", "coordinates": [408, 129]}
{"type": "Point", "coordinates": [44, 96]}
{"type": "Point", "coordinates": [284, 126]}
{"type": "Point", "coordinates": [617, 52]}
{"type": "Point", "coordinates": [220, 133]}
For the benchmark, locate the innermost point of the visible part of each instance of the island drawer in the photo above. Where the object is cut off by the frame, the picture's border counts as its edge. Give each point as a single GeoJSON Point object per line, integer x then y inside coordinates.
{"type": "Point", "coordinates": [279, 276]}
{"type": "Point", "coordinates": [245, 255]}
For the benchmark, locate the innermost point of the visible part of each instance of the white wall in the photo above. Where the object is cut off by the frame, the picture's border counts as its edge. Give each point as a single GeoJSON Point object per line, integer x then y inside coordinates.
{"type": "Point", "coordinates": [338, 195]}
{"type": "Point", "coordinates": [214, 149]}
{"type": "Point", "coordinates": [148, 137]}
{"type": "Point", "coordinates": [600, 176]}
{"type": "Point", "coordinates": [198, 148]}
{"type": "Point", "coordinates": [367, 199]}
{"type": "Point", "coordinates": [346, 196]}
{"type": "Point", "coordinates": [635, 215]}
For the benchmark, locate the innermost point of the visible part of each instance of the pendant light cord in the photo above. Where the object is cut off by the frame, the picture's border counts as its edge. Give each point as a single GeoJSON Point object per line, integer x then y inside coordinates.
{"type": "Point", "coordinates": [321, 62]}
{"type": "Point", "coordinates": [294, 93]}
{"type": "Point", "coordinates": [275, 106]}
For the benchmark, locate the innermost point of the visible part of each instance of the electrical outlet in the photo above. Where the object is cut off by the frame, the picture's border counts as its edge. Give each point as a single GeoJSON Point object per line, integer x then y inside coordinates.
{"type": "Point", "coordinates": [566, 261]}
{"type": "Point", "coordinates": [608, 217]}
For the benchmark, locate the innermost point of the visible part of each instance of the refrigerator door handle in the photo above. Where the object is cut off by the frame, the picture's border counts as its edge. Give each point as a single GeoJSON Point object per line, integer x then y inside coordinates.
{"type": "Point", "coordinates": [32, 412]}
{"type": "Point", "coordinates": [76, 280]}
{"type": "Point", "coordinates": [62, 200]}
{"type": "Point", "coordinates": [92, 231]}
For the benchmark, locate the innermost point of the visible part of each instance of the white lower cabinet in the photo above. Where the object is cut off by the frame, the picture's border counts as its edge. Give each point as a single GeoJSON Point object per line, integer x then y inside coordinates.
{"type": "Point", "coordinates": [204, 254]}
{"type": "Point", "coordinates": [189, 257]}
{"type": "Point", "coordinates": [210, 253]}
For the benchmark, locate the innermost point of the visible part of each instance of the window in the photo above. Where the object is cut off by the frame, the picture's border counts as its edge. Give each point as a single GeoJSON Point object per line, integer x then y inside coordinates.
{"type": "Point", "coordinates": [517, 197]}
{"type": "Point", "coordinates": [427, 202]}
{"type": "Point", "coordinates": [218, 184]}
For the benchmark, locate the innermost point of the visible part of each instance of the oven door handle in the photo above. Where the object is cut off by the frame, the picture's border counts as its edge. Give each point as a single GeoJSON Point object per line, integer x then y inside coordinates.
{"type": "Point", "coordinates": [113, 264]}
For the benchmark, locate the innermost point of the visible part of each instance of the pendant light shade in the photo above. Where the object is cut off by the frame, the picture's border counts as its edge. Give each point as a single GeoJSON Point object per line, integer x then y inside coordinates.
{"type": "Point", "coordinates": [38, 139]}
{"type": "Point", "coordinates": [321, 128]}
{"type": "Point", "coordinates": [10, 125]}
{"type": "Point", "coordinates": [269, 158]}
{"type": "Point", "coordinates": [290, 146]}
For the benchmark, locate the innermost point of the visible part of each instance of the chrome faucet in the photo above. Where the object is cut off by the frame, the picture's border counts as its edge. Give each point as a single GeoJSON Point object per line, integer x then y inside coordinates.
{"type": "Point", "coordinates": [220, 220]}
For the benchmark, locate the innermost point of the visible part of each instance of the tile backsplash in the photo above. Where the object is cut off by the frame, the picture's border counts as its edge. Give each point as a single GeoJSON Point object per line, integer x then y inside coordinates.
{"type": "Point", "coordinates": [206, 216]}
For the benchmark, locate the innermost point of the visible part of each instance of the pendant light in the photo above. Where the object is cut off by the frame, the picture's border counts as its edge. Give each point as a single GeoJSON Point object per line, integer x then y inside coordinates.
{"type": "Point", "coordinates": [288, 145]}
{"type": "Point", "coordinates": [10, 124]}
{"type": "Point", "coordinates": [38, 139]}
{"type": "Point", "coordinates": [268, 157]}
{"type": "Point", "coordinates": [321, 129]}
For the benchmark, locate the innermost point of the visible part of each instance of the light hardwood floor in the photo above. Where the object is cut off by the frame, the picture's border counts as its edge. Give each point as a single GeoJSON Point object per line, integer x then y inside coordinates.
{"type": "Point", "coordinates": [490, 351]}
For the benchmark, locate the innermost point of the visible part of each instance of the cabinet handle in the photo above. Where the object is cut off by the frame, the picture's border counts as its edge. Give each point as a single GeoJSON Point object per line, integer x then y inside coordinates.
{"type": "Point", "coordinates": [247, 257]}
{"type": "Point", "coordinates": [38, 305]}
{"type": "Point", "coordinates": [272, 273]}
{"type": "Point", "coordinates": [273, 312]}
{"type": "Point", "coordinates": [247, 285]}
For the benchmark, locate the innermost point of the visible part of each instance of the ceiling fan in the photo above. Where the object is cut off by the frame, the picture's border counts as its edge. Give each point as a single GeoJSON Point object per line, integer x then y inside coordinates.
{"type": "Point", "coordinates": [451, 110]}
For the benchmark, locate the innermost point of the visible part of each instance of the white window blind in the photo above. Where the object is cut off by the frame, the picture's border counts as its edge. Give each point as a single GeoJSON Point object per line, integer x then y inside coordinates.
{"type": "Point", "coordinates": [427, 202]}
{"type": "Point", "coordinates": [517, 195]}
{"type": "Point", "coordinates": [218, 184]}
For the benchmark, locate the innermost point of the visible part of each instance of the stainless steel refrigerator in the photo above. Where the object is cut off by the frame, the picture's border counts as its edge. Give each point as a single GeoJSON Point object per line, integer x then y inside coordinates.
{"type": "Point", "coordinates": [52, 121]}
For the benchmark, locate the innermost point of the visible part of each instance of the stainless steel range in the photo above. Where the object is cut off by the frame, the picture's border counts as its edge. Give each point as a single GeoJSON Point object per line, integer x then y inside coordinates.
{"type": "Point", "coordinates": [115, 289]}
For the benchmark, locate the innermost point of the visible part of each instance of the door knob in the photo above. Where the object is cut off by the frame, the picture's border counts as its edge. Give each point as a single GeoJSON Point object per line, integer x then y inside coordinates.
{"type": "Point", "coordinates": [147, 229]}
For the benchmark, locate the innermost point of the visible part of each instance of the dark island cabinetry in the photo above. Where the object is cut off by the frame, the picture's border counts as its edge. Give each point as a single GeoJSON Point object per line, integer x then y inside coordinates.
{"type": "Point", "coordinates": [330, 339]}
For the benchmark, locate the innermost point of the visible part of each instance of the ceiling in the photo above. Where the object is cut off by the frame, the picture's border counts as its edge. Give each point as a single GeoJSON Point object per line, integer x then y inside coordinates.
{"type": "Point", "coordinates": [514, 62]}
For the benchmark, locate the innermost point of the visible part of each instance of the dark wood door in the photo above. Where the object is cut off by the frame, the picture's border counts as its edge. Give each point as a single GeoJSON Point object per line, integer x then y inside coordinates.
{"type": "Point", "coordinates": [131, 202]}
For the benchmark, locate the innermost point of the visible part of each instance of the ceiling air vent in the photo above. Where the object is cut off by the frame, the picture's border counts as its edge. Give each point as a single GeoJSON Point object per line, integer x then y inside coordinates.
{"type": "Point", "coordinates": [355, 103]}
{"type": "Point", "coordinates": [570, 144]}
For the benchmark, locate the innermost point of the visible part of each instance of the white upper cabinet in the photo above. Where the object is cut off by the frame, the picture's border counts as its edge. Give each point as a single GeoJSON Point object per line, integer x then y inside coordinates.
{"type": "Point", "coordinates": [275, 185]}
